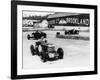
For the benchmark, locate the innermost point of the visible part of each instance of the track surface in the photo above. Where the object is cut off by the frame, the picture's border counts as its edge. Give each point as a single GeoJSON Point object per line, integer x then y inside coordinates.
{"type": "Point", "coordinates": [76, 52]}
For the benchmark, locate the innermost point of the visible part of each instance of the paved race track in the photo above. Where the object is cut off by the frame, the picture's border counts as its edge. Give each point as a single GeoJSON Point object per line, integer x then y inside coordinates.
{"type": "Point", "coordinates": [76, 52]}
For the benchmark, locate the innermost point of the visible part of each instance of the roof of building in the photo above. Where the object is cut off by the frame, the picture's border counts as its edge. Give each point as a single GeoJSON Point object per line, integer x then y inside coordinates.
{"type": "Point", "coordinates": [61, 14]}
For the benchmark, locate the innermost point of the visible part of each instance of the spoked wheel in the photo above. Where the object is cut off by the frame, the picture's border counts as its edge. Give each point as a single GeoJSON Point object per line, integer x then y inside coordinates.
{"type": "Point", "coordinates": [60, 53]}
{"type": "Point", "coordinates": [32, 50]}
{"type": "Point", "coordinates": [28, 36]}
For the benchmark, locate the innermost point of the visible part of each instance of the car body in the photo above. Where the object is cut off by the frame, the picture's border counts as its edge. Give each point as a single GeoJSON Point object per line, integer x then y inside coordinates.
{"type": "Point", "coordinates": [72, 31]}
{"type": "Point", "coordinates": [71, 34]}
{"type": "Point", "coordinates": [36, 35]}
{"type": "Point", "coordinates": [68, 32]}
{"type": "Point", "coordinates": [46, 51]}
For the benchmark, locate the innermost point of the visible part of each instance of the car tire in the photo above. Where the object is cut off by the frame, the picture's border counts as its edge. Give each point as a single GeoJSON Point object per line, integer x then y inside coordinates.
{"type": "Point", "coordinates": [77, 31]}
{"type": "Point", "coordinates": [43, 58]}
{"type": "Point", "coordinates": [60, 53]}
{"type": "Point", "coordinates": [66, 32]}
{"type": "Point", "coordinates": [57, 34]}
{"type": "Point", "coordinates": [32, 50]}
{"type": "Point", "coordinates": [45, 35]}
{"type": "Point", "coordinates": [28, 37]}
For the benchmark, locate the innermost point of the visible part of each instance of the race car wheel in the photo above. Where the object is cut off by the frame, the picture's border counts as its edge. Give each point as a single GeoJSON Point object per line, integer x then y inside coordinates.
{"type": "Point", "coordinates": [66, 32]}
{"type": "Point", "coordinates": [60, 53]}
{"type": "Point", "coordinates": [43, 60]}
{"type": "Point", "coordinates": [43, 57]}
{"type": "Point", "coordinates": [32, 50]}
{"type": "Point", "coordinates": [45, 36]}
{"type": "Point", "coordinates": [39, 50]}
{"type": "Point", "coordinates": [77, 31]}
{"type": "Point", "coordinates": [57, 34]}
{"type": "Point", "coordinates": [28, 36]}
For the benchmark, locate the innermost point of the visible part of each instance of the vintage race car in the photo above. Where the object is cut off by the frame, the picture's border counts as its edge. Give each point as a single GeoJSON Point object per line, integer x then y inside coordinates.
{"type": "Point", "coordinates": [69, 32]}
{"type": "Point", "coordinates": [36, 35]}
{"type": "Point", "coordinates": [72, 31]}
{"type": "Point", "coordinates": [46, 51]}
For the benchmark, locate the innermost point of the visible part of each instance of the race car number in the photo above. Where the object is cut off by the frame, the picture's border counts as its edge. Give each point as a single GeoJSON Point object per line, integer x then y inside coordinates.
{"type": "Point", "coordinates": [51, 55]}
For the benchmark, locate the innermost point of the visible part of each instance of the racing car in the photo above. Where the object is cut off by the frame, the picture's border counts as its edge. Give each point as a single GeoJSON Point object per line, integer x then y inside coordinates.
{"type": "Point", "coordinates": [72, 31]}
{"type": "Point", "coordinates": [36, 35]}
{"type": "Point", "coordinates": [69, 32]}
{"type": "Point", "coordinates": [46, 51]}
